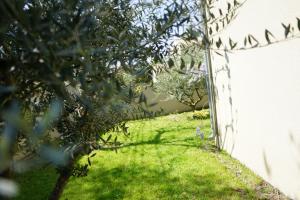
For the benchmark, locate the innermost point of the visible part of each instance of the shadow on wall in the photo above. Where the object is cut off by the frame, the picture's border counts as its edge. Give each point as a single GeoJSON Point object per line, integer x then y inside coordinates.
{"type": "Point", "coordinates": [228, 129]}
{"type": "Point", "coordinates": [296, 144]}
{"type": "Point", "coordinates": [231, 120]}
{"type": "Point", "coordinates": [267, 165]}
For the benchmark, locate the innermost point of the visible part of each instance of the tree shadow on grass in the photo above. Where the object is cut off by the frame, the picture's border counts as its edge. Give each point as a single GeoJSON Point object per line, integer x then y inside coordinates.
{"type": "Point", "coordinates": [138, 182]}
{"type": "Point", "coordinates": [40, 179]}
{"type": "Point", "coordinates": [188, 141]}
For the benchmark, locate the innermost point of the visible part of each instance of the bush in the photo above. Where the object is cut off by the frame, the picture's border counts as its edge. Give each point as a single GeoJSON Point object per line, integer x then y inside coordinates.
{"type": "Point", "coordinates": [202, 114]}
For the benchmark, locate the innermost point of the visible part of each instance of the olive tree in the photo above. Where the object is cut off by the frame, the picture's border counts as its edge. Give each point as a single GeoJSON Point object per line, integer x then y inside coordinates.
{"type": "Point", "coordinates": [63, 69]}
{"type": "Point", "coordinates": [185, 81]}
{"type": "Point", "coordinates": [65, 63]}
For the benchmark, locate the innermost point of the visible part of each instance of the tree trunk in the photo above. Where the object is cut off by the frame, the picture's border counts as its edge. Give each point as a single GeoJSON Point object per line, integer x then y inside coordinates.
{"type": "Point", "coordinates": [61, 182]}
{"type": "Point", "coordinates": [65, 174]}
{"type": "Point", "coordinates": [193, 108]}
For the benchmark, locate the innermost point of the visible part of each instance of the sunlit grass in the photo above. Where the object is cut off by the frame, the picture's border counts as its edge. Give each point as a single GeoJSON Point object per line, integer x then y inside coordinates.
{"type": "Point", "coordinates": [163, 159]}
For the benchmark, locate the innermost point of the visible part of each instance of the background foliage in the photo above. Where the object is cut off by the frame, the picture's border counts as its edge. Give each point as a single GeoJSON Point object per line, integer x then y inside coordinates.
{"type": "Point", "coordinates": [185, 81]}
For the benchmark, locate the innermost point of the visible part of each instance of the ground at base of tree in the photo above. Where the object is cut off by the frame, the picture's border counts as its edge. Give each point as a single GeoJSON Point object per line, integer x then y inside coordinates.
{"type": "Point", "coordinates": [161, 159]}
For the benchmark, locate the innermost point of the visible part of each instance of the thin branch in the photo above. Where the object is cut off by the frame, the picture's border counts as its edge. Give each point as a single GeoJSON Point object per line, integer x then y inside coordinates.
{"type": "Point", "coordinates": [257, 46]}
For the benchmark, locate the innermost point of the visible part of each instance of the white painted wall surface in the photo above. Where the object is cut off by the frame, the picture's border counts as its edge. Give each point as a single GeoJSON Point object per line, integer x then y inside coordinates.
{"type": "Point", "coordinates": [258, 94]}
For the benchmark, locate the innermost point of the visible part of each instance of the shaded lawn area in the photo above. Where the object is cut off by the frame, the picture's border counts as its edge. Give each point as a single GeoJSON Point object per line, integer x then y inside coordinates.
{"type": "Point", "coordinates": [36, 184]}
{"type": "Point", "coordinates": [161, 159]}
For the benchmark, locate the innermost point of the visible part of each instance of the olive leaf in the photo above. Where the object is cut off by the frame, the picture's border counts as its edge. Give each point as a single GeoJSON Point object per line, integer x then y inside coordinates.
{"type": "Point", "coordinates": [109, 137]}
{"type": "Point", "coordinates": [199, 65]}
{"type": "Point", "coordinates": [267, 36]}
{"type": "Point", "coordinates": [93, 155]}
{"type": "Point", "coordinates": [220, 11]}
{"type": "Point", "coordinates": [235, 3]}
{"type": "Point", "coordinates": [171, 62]}
{"type": "Point", "coordinates": [158, 27]}
{"type": "Point", "coordinates": [211, 41]}
{"type": "Point", "coordinates": [142, 98]}
{"type": "Point", "coordinates": [223, 23]}
{"type": "Point", "coordinates": [102, 140]}
{"type": "Point", "coordinates": [218, 53]}
{"type": "Point", "coordinates": [210, 31]}
{"type": "Point", "coordinates": [89, 161]}
{"type": "Point", "coordinates": [219, 43]}
{"type": "Point", "coordinates": [245, 41]}
{"type": "Point", "coordinates": [232, 43]}
{"type": "Point", "coordinates": [249, 40]}
{"type": "Point", "coordinates": [253, 38]}
{"type": "Point", "coordinates": [287, 29]}
{"type": "Point", "coordinates": [182, 64]}
{"type": "Point", "coordinates": [192, 63]}
{"type": "Point", "coordinates": [228, 6]}
{"type": "Point", "coordinates": [217, 27]}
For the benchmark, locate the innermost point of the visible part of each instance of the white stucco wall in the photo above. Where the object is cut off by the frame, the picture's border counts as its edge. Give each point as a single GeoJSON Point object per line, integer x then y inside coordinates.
{"type": "Point", "coordinates": [258, 93]}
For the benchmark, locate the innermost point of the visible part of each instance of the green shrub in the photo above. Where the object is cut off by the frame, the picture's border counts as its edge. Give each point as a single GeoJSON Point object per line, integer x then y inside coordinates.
{"type": "Point", "coordinates": [202, 114]}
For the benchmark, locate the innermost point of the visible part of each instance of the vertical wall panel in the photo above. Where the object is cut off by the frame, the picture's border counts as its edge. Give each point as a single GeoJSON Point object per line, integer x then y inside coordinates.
{"type": "Point", "coordinates": [258, 93]}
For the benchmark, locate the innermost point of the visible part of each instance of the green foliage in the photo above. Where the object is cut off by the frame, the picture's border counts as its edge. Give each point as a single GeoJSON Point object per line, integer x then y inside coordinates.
{"type": "Point", "coordinates": [202, 114]}
{"type": "Point", "coordinates": [64, 54]}
{"type": "Point", "coordinates": [65, 66]}
{"type": "Point", "coordinates": [80, 170]}
{"type": "Point", "coordinates": [186, 81]}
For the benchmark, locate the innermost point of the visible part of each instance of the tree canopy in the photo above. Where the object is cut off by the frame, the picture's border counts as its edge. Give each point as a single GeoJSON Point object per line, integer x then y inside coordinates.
{"type": "Point", "coordinates": [71, 67]}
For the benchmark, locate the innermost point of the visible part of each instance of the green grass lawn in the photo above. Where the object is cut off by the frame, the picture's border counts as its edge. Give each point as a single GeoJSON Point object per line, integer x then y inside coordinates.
{"type": "Point", "coordinates": [161, 159]}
